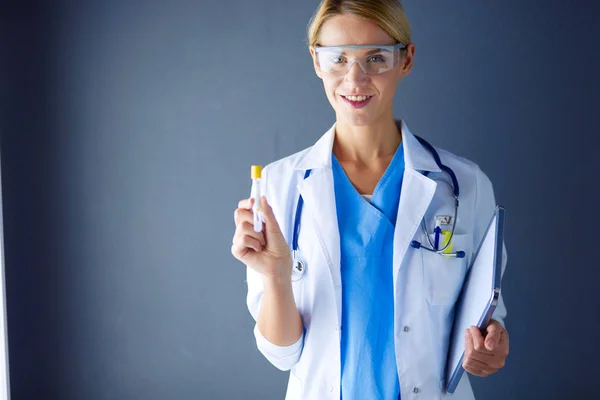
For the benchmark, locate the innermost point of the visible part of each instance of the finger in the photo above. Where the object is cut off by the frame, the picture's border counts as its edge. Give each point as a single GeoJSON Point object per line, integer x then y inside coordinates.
{"type": "Point", "coordinates": [239, 251]}
{"type": "Point", "coordinates": [501, 349]}
{"type": "Point", "coordinates": [247, 242]}
{"type": "Point", "coordinates": [246, 203]}
{"type": "Point", "coordinates": [241, 215]}
{"type": "Point", "coordinates": [475, 372]}
{"type": "Point", "coordinates": [244, 254]}
{"type": "Point", "coordinates": [247, 229]}
{"type": "Point", "coordinates": [478, 341]}
{"type": "Point", "coordinates": [270, 221]}
{"type": "Point", "coordinates": [478, 368]}
{"type": "Point", "coordinates": [478, 372]}
{"type": "Point", "coordinates": [491, 361]}
{"type": "Point", "coordinates": [493, 333]}
{"type": "Point", "coordinates": [468, 355]}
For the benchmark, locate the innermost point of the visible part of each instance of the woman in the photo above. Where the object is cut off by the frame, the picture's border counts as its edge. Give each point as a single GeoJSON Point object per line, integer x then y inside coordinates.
{"type": "Point", "coordinates": [367, 316]}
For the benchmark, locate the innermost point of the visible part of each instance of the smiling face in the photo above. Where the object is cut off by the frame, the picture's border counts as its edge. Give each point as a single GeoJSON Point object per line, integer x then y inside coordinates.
{"type": "Point", "coordinates": [358, 98]}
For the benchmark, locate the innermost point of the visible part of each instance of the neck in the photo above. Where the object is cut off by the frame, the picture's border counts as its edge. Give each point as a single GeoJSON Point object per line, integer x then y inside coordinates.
{"type": "Point", "coordinates": [366, 143]}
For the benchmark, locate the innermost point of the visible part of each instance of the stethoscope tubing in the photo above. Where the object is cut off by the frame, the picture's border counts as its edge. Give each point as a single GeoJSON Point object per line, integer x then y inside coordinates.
{"type": "Point", "coordinates": [415, 244]}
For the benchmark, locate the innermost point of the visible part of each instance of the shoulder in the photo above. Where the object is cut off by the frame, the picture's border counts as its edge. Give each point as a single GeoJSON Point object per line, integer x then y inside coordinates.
{"type": "Point", "coordinates": [282, 172]}
{"type": "Point", "coordinates": [285, 165]}
{"type": "Point", "coordinates": [457, 162]}
{"type": "Point", "coordinates": [467, 171]}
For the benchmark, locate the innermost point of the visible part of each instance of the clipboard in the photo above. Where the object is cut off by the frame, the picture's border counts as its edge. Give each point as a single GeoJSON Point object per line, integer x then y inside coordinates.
{"type": "Point", "coordinates": [479, 295]}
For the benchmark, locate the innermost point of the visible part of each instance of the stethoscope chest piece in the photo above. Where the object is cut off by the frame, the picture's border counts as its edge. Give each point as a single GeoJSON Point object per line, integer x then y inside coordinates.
{"type": "Point", "coordinates": [298, 269]}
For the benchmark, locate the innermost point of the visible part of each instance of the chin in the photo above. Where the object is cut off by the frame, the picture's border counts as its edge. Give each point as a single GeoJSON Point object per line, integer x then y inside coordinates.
{"type": "Point", "coordinates": [356, 119]}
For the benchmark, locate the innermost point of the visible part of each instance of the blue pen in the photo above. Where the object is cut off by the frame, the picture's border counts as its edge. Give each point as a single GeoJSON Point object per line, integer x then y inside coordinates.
{"type": "Point", "coordinates": [436, 240]}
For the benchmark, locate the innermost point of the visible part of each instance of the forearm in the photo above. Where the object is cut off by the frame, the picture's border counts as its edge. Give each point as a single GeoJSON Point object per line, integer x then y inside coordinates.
{"type": "Point", "coordinates": [279, 320]}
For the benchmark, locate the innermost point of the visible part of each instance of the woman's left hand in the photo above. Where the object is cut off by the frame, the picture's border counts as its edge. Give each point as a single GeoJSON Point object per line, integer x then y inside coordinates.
{"type": "Point", "coordinates": [485, 355]}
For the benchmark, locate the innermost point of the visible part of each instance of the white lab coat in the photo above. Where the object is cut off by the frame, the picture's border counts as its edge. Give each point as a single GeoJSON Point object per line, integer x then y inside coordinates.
{"type": "Point", "coordinates": [426, 285]}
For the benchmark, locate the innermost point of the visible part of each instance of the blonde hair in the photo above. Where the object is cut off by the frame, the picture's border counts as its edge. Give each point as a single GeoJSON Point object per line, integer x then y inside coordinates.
{"type": "Point", "coordinates": [388, 14]}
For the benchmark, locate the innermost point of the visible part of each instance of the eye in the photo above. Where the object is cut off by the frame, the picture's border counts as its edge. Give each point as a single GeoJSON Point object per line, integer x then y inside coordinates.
{"type": "Point", "coordinates": [376, 59]}
{"type": "Point", "coordinates": [337, 60]}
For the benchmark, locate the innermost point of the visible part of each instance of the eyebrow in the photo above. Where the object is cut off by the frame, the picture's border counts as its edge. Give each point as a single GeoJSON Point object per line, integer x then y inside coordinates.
{"type": "Point", "coordinates": [374, 51]}
{"type": "Point", "coordinates": [379, 50]}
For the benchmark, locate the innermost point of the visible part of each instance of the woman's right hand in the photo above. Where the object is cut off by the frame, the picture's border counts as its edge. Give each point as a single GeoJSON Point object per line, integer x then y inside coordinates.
{"type": "Point", "coordinates": [267, 252]}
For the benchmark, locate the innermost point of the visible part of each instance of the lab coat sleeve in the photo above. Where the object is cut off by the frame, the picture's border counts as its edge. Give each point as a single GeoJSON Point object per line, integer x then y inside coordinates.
{"type": "Point", "coordinates": [485, 202]}
{"type": "Point", "coordinates": [282, 357]}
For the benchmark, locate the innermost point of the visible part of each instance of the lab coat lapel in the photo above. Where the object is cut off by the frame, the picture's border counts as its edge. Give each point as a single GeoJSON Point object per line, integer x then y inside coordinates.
{"type": "Point", "coordinates": [415, 196]}
{"type": "Point", "coordinates": [319, 203]}
{"type": "Point", "coordinates": [318, 193]}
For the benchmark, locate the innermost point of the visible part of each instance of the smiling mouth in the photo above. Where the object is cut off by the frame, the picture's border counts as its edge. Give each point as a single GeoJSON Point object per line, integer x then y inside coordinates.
{"type": "Point", "coordinates": [357, 101]}
{"type": "Point", "coordinates": [357, 98]}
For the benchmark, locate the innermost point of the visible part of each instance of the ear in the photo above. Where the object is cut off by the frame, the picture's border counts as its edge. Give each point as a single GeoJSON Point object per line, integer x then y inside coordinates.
{"type": "Point", "coordinates": [315, 62]}
{"type": "Point", "coordinates": [406, 60]}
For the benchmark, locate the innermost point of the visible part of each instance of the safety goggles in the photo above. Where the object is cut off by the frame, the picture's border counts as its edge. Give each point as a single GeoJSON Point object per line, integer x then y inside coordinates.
{"type": "Point", "coordinates": [372, 59]}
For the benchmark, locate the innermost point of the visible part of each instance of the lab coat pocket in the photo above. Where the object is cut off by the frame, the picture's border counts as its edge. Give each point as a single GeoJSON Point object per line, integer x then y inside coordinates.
{"type": "Point", "coordinates": [444, 276]}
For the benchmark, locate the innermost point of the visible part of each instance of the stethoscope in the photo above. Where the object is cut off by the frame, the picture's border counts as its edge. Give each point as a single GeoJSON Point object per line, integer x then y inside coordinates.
{"type": "Point", "coordinates": [299, 265]}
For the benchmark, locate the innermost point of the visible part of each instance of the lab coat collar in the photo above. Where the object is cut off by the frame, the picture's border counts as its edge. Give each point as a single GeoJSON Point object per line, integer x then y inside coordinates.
{"type": "Point", "coordinates": [416, 156]}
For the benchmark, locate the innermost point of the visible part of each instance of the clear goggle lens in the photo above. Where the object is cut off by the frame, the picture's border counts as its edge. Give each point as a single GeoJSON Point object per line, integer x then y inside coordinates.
{"type": "Point", "coordinates": [372, 60]}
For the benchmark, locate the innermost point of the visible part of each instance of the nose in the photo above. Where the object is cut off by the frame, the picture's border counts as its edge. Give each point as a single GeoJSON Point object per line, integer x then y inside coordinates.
{"type": "Point", "coordinates": [356, 73]}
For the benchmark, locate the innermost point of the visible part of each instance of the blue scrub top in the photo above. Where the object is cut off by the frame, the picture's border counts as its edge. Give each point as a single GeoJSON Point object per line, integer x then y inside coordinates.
{"type": "Point", "coordinates": [366, 239]}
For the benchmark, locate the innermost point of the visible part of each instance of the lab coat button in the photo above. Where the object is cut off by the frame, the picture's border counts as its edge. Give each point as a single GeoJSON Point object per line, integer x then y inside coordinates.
{"type": "Point", "coordinates": [416, 390]}
{"type": "Point", "coordinates": [406, 328]}
{"type": "Point", "coordinates": [331, 388]}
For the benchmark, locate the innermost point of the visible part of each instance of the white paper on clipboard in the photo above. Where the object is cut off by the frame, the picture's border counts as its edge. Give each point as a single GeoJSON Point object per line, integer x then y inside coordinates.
{"type": "Point", "coordinates": [479, 295]}
{"type": "Point", "coordinates": [4, 373]}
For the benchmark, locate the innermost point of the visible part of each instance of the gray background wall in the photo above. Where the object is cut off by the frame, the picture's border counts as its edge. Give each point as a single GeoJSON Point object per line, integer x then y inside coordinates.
{"type": "Point", "coordinates": [128, 129]}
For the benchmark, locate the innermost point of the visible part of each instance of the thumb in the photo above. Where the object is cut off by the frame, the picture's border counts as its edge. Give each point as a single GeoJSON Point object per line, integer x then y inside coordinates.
{"type": "Point", "coordinates": [492, 336]}
{"type": "Point", "coordinates": [270, 220]}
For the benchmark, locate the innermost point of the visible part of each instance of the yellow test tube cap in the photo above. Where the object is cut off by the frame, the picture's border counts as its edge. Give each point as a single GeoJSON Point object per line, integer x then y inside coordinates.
{"type": "Point", "coordinates": [255, 171]}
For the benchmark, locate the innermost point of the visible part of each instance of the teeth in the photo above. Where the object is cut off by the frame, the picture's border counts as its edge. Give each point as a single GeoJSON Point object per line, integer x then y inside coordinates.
{"type": "Point", "coordinates": [357, 98]}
